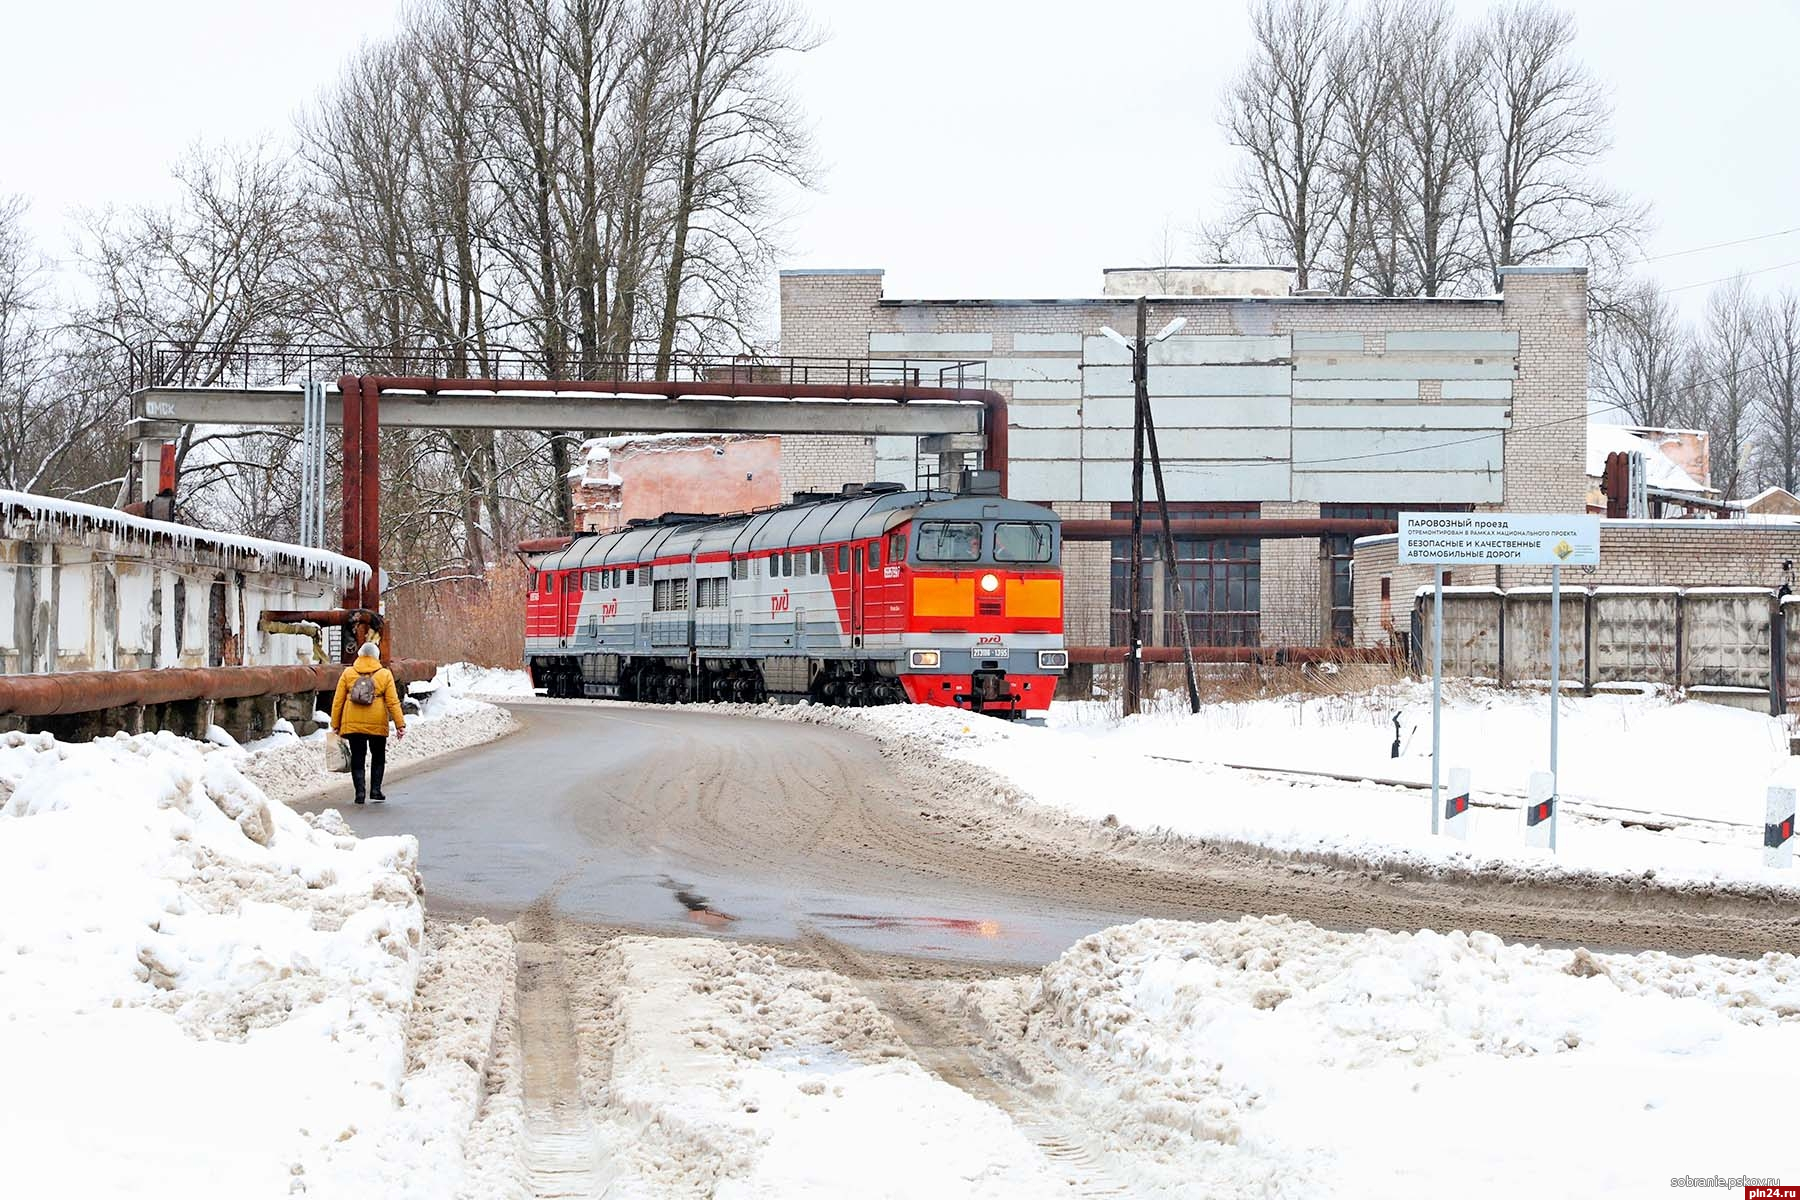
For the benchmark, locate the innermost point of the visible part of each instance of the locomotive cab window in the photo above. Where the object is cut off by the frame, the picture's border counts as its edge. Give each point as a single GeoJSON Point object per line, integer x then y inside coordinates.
{"type": "Point", "coordinates": [843, 559]}
{"type": "Point", "coordinates": [949, 541]}
{"type": "Point", "coordinates": [874, 556]}
{"type": "Point", "coordinates": [818, 562]}
{"type": "Point", "coordinates": [1022, 541]}
{"type": "Point", "coordinates": [897, 546]}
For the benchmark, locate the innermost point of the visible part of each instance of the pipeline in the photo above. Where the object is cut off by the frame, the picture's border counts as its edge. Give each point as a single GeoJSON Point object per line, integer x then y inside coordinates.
{"type": "Point", "coordinates": [1227, 527]}
{"type": "Point", "coordinates": [95, 691]}
{"type": "Point", "coordinates": [306, 629]}
{"type": "Point", "coordinates": [1274, 655]}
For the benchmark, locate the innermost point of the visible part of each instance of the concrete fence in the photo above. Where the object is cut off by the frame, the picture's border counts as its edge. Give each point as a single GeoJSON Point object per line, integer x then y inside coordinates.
{"type": "Point", "coordinates": [1733, 645]}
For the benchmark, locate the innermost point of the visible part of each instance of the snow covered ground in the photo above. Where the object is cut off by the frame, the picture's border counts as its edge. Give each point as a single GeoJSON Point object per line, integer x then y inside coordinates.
{"type": "Point", "coordinates": [468, 679]}
{"type": "Point", "coordinates": [207, 994]}
{"type": "Point", "coordinates": [1269, 1057]}
{"type": "Point", "coordinates": [1655, 788]}
{"type": "Point", "coordinates": [729, 1074]}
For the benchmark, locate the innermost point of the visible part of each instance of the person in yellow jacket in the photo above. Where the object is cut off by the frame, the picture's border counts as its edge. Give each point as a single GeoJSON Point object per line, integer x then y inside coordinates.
{"type": "Point", "coordinates": [366, 700]}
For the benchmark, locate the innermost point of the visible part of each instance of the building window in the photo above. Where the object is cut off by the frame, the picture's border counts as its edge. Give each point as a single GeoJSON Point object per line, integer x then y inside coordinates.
{"type": "Point", "coordinates": [1338, 554]}
{"type": "Point", "coordinates": [1221, 581]}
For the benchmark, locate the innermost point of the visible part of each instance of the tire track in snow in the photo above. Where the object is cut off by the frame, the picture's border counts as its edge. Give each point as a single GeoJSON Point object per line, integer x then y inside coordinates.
{"type": "Point", "coordinates": [562, 1150]}
{"type": "Point", "coordinates": [944, 1050]}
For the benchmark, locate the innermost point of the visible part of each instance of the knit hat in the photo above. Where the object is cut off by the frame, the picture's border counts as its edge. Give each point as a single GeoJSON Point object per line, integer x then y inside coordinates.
{"type": "Point", "coordinates": [369, 650]}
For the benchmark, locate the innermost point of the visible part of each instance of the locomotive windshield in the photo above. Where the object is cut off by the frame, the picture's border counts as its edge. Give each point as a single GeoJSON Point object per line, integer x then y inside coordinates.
{"type": "Point", "coordinates": [949, 541]}
{"type": "Point", "coordinates": [1022, 541]}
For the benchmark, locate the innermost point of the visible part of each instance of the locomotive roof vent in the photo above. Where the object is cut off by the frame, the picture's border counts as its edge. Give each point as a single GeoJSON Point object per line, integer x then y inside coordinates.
{"type": "Point", "coordinates": [814, 497]}
{"type": "Point", "coordinates": [882, 489]}
{"type": "Point", "coordinates": [852, 489]}
{"type": "Point", "coordinates": [981, 483]}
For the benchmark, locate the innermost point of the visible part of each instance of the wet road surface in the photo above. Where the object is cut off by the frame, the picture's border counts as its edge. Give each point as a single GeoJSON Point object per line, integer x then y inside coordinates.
{"type": "Point", "coordinates": [685, 820]}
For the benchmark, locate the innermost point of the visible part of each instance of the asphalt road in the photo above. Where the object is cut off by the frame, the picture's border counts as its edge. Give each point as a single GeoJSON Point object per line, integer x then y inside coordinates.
{"type": "Point", "coordinates": [683, 820]}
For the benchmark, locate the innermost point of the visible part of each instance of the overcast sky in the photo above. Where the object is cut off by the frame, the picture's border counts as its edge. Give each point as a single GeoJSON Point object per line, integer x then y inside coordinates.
{"type": "Point", "coordinates": [970, 147]}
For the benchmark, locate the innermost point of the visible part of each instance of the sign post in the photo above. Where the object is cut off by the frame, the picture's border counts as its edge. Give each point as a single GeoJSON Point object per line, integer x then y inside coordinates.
{"type": "Point", "coordinates": [1498, 539]}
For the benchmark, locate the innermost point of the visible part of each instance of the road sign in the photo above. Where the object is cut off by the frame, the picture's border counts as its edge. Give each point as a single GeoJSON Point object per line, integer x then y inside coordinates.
{"type": "Point", "coordinates": [1462, 539]}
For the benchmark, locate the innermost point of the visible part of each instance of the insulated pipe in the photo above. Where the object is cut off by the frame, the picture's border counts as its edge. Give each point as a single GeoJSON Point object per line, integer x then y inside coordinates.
{"type": "Point", "coordinates": [1239, 527]}
{"type": "Point", "coordinates": [95, 691]}
{"type": "Point", "coordinates": [350, 388]}
{"type": "Point", "coordinates": [370, 492]}
{"type": "Point", "coordinates": [993, 404]}
{"type": "Point", "coordinates": [1097, 655]}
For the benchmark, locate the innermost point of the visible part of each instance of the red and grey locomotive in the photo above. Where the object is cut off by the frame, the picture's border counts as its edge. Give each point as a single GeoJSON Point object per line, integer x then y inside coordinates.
{"type": "Point", "coordinates": [874, 595]}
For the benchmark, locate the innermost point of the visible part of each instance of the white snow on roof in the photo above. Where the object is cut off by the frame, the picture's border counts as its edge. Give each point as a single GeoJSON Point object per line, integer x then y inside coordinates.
{"type": "Point", "coordinates": [83, 519]}
{"type": "Point", "coordinates": [1660, 470]}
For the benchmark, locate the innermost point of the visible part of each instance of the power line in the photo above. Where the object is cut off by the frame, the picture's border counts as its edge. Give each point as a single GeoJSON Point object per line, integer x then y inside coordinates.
{"type": "Point", "coordinates": [1583, 416]}
{"type": "Point", "coordinates": [1757, 237]}
{"type": "Point", "coordinates": [1727, 278]}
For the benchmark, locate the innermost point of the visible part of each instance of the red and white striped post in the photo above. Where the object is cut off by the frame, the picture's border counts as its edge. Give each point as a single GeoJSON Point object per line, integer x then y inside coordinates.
{"type": "Point", "coordinates": [1778, 830]}
{"type": "Point", "coordinates": [1456, 805]}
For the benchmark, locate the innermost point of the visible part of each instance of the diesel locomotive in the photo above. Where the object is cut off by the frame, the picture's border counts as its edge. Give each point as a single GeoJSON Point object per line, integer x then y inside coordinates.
{"type": "Point", "coordinates": [877, 594]}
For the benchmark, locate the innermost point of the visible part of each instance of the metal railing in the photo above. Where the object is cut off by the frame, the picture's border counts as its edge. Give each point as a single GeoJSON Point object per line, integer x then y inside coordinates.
{"type": "Point", "coordinates": [168, 364]}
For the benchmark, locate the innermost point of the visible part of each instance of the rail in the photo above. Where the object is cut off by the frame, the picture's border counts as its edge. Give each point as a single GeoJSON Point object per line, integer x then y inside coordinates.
{"type": "Point", "coordinates": [182, 364]}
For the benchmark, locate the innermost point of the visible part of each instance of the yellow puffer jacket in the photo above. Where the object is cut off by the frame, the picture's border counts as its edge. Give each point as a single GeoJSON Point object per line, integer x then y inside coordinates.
{"type": "Point", "coordinates": [367, 718]}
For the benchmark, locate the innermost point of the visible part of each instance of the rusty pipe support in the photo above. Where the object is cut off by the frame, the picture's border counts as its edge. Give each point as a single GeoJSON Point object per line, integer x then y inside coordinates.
{"type": "Point", "coordinates": [1233, 527]}
{"type": "Point", "coordinates": [993, 404]}
{"type": "Point", "coordinates": [369, 491]}
{"type": "Point", "coordinates": [95, 691]}
{"type": "Point", "coordinates": [306, 629]}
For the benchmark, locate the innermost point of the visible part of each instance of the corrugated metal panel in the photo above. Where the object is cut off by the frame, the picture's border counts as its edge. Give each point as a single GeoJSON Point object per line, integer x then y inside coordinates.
{"type": "Point", "coordinates": [1213, 412]}
{"type": "Point", "coordinates": [1327, 343]}
{"type": "Point", "coordinates": [1397, 487]}
{"type": "Point", "coordinates": [1030, 479]}
{"type": "Point", "coordinates": [1043, 416]}
{"type": "Point", "coordinates": [1189, 480]}
{"type": "Point", "coordinates": [1192, 443]}
{"type": "Point", "coordinates": [1193, 381]}
{"type": "Point", "coordinates": [1393, 416]}
{"type": "Point", "coordinates": [1047, 389]}
{"type": "Point", "coordinates": [1477, 389]}
{"type": "Point", "coordinates": [1398, 449]}
{"type": "Point", "coordinates": [1045, 443]}
{"type": "Point", "coordinates": [1046, 343]}
{"type": "Point", "coordinates": [1404, 368]}
{"type": "Point", "coordinates": [931, 343]}
{"type": "Point", "coordinates": [1356, 389]}
{"type": "Point", "coordinates": [1189, 351]}
{"type": "Point", "coordinates": [1032, 369]}
{"type": "Point", "coordinates": [1453, 341]}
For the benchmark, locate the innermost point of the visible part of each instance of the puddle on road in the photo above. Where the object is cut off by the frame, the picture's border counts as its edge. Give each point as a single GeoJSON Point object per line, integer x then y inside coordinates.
{"type": "Point", "coordinates": [968, 926]}
{"type": "Point", "coordinates": [699, 910]}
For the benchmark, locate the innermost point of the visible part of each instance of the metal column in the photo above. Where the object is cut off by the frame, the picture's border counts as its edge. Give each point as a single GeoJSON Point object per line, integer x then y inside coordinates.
{"type": "Point", "coordinates": [312, 464]}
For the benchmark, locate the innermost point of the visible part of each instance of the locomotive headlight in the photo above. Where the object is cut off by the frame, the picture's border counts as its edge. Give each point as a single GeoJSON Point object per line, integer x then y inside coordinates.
{"type": "Point", "coordinates": [990, 582]}
{"type": "Point", "coordinates": [1052, 660]}
{"type": "Point", "coordinates": [923, 658]}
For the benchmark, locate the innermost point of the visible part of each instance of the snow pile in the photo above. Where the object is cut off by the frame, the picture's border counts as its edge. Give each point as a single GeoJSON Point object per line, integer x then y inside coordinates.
{"type": "Point", "coordinates": [289, 768]}
{"type": "Point", "coordinates": [733, 1075]}
{"type": "Point", "coordinates": [207, 990]}
{"type": "Point", "coordinates": [1656, 792]}
{"type": "Point", "coordinates": [1660, 471]}
{"type": "Point", "coordinates": [464, 678]}
{"type": "Point", "coordinates": [1267, 1056]}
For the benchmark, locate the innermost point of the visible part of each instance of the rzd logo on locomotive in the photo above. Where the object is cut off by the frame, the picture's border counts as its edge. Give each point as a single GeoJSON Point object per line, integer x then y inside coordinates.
{"type": "Point", "coordinates": [778, 604]}
{"type": "Point", "coordinates": [989, 639]}
{"type": "Point", "coordinates": [609, 609]}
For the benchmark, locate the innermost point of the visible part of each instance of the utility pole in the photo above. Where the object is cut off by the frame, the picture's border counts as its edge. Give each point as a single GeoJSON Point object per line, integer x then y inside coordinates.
{"type": "Point", "coordinates": [1134, 632]}
{"type": "Point", "coordinates": [1143, 429]}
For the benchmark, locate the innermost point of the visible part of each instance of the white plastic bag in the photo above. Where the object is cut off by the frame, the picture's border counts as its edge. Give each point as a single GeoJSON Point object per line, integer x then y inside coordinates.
{"type": "Point", "coordinates": [337, 753]}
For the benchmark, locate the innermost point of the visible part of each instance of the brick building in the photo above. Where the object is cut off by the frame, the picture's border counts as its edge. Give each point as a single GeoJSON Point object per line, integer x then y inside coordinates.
{"type": "Point", "coordinates": [1267, 404]}
{"type": "Point", "coordinates": [644, 475]}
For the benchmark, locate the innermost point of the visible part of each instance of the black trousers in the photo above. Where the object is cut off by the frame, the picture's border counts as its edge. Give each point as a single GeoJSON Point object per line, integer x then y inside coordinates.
{"type": "Point", "coordinates": [375, 748]}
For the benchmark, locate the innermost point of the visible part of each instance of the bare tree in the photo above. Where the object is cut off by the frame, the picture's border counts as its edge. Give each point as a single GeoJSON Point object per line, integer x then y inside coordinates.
{"type": "Point", "coordinates": [1727, 385]}
{"type": "Point", "coordinates": [1363, 65]}
{"type": "Point", "coordinates": [739, 132]}
{"type": "Point", "coordinates": [1776, 344]}
{"type": "Point", "coordinates": [1427, 169]}
{"type": "Point", "coordinates": [1541, 125]}
{"type": "Point", "coordinates": [1283, 110]}
{"type": "Point", "coordinates": [1638, 354]}
{"type": "Point", "coordinates": [54, 417]}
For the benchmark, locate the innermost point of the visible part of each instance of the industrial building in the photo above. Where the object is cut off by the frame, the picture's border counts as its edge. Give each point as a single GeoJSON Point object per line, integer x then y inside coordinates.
{"type": "Point", "coordinates": [1268, 404]}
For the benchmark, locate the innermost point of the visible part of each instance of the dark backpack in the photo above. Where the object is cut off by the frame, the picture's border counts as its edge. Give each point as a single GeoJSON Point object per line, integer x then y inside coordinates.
{"type": "Point", "coordinates": [363, 690]}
